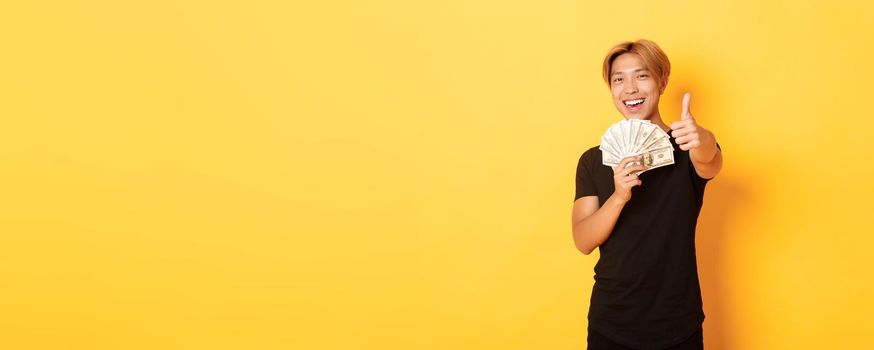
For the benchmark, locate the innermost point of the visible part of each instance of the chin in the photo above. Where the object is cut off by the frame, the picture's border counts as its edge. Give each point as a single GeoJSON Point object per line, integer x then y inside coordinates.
{"type": "Point", "coordinates": [634, 116]}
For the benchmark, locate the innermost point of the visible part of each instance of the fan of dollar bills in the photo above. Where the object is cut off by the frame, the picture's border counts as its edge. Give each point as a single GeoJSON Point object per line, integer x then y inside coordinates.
{"type": "Point", "coordinates": [635, 137]}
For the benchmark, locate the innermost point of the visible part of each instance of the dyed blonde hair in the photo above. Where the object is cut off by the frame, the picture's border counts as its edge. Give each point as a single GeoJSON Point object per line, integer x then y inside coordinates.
{"type": "Point", "coordinates": [651, 54]}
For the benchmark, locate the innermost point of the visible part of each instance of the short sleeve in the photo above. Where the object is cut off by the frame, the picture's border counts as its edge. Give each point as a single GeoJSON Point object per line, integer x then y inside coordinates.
{"type": "Point", "coordinates": [585, 182]}
{"type": "Point", "coordinates": [701, 181]}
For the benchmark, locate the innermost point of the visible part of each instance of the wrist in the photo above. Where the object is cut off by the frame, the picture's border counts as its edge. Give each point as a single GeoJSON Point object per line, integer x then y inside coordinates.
{"type": "Point", "coordinates": [617, 200]}
{"type": "Point", "coordinates": [707, 150]}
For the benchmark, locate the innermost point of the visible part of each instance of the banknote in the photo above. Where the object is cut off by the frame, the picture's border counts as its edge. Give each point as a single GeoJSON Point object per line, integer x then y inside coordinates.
{"type": "Point", "coordinates": [633, 137]}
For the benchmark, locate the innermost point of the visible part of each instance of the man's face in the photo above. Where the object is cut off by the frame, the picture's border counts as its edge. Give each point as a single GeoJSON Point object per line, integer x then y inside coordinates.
{"type": "Point", "coordinates": [631, 82]}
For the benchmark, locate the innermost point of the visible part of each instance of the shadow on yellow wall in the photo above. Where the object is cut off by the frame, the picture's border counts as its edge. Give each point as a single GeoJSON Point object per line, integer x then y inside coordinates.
{"type": "Point", "coordinates": [722, 197]}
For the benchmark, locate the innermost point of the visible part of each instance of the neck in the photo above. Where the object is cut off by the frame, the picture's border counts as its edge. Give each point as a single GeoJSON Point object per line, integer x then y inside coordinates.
{"type": "Point", "coordinates": [656, 119]}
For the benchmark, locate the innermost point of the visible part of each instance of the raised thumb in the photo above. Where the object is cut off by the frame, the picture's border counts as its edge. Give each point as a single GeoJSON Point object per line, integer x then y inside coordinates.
{"type": "Point", "coordinates": [686, 115]}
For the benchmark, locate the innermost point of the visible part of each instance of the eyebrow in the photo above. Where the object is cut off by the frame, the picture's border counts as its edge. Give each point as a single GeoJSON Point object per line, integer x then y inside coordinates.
{"type": "Point", "coordinates": [636, 70]}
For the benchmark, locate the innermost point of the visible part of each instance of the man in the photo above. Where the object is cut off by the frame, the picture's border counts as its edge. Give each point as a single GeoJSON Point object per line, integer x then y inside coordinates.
{"type": "Point", "coordinates": [646, 293]}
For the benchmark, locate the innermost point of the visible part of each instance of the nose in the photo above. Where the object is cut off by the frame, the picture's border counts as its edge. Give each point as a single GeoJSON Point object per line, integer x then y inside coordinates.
{"type": "Point", "coordinates": [630, 86]}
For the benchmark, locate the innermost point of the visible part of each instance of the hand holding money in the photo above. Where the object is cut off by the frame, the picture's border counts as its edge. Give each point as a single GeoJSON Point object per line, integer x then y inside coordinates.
{"type": "Point", "coordinates": [625, 176]}
{"type": "Point", "coordinates": [686, 132]}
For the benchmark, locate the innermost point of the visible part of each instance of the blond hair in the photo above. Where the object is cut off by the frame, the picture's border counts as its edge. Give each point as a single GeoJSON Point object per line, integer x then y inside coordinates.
{"type": "Point", "coordinates": [652, 55]}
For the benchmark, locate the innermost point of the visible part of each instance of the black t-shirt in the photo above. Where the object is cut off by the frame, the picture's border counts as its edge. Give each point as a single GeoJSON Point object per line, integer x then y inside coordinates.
{"type": "Point", "coordinates": [646, 293]}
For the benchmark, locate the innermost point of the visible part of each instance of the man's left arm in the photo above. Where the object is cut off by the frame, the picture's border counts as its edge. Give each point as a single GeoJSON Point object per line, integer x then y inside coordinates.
{"type": "Point", "coordinates": [700, 142]}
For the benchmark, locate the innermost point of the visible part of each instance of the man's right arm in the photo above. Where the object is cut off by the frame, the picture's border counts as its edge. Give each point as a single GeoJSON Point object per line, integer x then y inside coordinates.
{"type": "Point", "coordinates": [592, 224]}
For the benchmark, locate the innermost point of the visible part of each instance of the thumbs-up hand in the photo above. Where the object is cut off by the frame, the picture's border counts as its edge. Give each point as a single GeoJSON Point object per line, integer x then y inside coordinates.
{"type": "Point", "coordinates": [686, 132]}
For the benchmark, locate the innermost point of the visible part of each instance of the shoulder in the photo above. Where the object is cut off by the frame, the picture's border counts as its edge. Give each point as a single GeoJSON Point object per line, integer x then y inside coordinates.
{"type": "Point", "coordinates": [590, 158]}
{"type": "Point", "coordinates": [591, 154]}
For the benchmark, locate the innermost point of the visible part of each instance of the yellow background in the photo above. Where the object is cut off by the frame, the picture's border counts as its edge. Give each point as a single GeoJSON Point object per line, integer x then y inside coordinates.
{"type": "Point", "coordinates": [399, 174]}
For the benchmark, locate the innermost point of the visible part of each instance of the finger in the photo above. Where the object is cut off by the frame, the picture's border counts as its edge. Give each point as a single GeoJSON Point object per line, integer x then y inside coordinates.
{"type": "Point", "coordinates": [624, 163]}
{"type": "Point", "coordinates": [690, 145]}
{"type": "Point", "coordinates": [629, 170]}
{"type": "Point", "coordinates": [685, 139]}
{"type": "Point", "coordinates": [681, 124]}
{"type": "Point", "coordinates": [629, 182]}
{"type": "Point", "coordinates": [680, 132]}
{"type": "Point", "coordinates": [686, 115]}
{"type": "Point", "coordinates": [693, 144]}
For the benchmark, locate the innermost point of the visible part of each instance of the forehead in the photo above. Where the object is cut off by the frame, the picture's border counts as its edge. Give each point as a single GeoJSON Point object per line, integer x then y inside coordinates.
{"type": "Point", "coordinates": [627, 63]}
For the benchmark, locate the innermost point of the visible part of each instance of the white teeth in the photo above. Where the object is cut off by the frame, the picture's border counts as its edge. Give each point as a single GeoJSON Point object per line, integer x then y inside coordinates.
{"type": "Point", "coordinates": [634, 102]}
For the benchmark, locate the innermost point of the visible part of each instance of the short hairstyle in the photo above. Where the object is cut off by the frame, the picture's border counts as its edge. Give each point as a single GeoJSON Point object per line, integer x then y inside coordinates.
{"type": "Point", "coordinates": [651, 54]}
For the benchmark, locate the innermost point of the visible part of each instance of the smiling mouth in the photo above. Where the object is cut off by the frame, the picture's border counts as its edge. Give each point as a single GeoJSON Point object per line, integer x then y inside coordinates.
{"type": "Point", "coordinates": [635, 102]}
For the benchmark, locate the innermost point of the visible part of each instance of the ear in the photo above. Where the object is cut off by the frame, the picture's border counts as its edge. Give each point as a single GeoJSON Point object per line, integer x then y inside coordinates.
{"type": "Point", "coordinates": [663, 85]}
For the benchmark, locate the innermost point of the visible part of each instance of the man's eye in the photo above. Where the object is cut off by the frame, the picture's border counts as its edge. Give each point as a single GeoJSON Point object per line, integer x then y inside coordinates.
{"type": "Point", "coordinates": [617, 80]}
{"type": "Point", "coordinates": [643, 75]}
